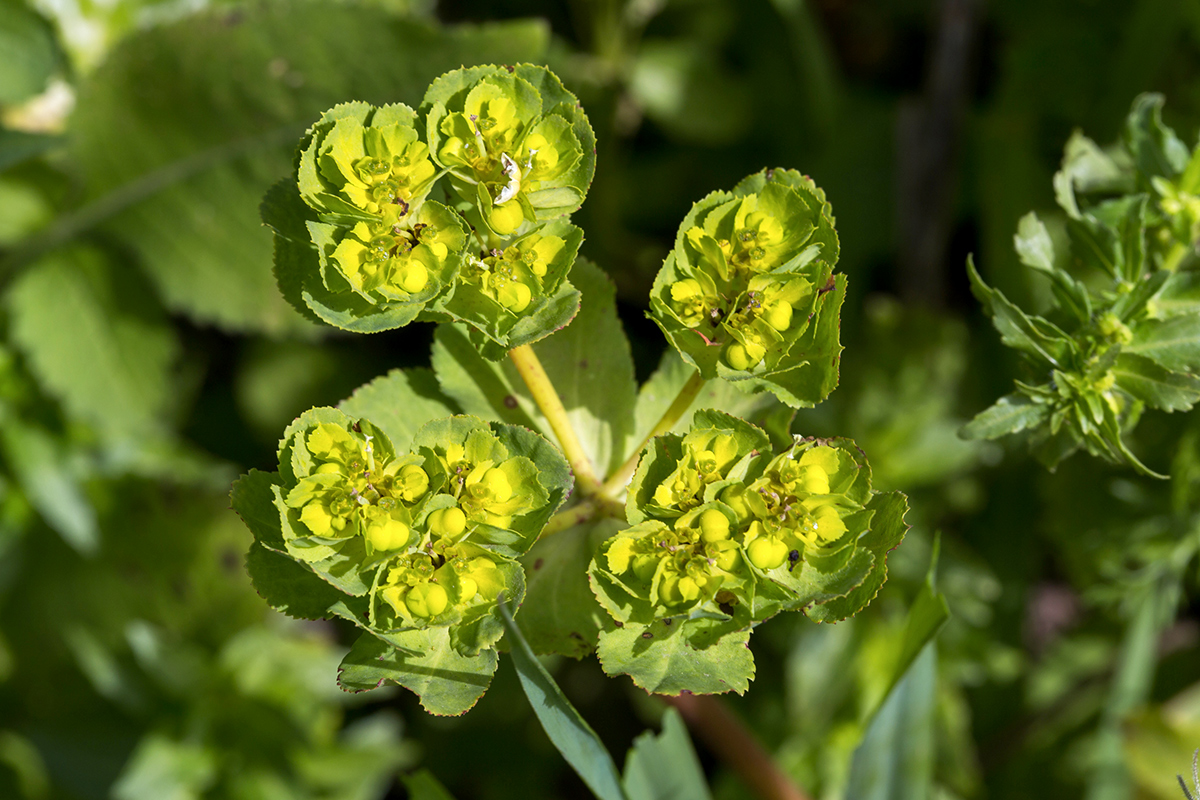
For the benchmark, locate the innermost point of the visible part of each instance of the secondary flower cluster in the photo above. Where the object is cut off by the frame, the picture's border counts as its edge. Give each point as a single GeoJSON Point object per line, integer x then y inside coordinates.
{"type": "Point", "coordinates": [517, 153]}
{"type": "Point", "coordinates": [741, 294]}
{"type": "Point", "coordinates": [430, 536]}
{"type": "Point", "coordinates": [725, 530]}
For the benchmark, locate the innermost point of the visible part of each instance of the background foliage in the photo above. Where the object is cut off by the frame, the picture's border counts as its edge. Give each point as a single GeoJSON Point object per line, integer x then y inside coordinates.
{"type": "Point", "coordinates": [147, 358]}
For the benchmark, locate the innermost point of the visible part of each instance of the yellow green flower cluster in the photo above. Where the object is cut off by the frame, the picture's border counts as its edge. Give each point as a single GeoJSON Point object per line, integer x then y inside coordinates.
{"type": "Point", "coordinates": [361, 244]}
{"type": "Point", "coordinates": [742, 294]}
{"type": "Point", "coordinates": [723, 529]}
{"type": "Point", "coordinates": [431, 535]}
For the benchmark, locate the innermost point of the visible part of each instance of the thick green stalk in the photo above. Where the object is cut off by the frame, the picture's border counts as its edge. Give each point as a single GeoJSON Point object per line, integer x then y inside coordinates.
{"type": "Point", "coordinates": [617, 482]}
{"type": "Point", "coordinates": [547, 399]}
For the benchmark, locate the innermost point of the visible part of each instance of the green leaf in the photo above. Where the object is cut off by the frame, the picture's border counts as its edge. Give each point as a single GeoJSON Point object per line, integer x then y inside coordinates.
{"type": "Point", "coordinates": [927, 615]}
{"type": "Point", "coordinates": [1155, 385]}
{"type": "Point", "coordinates": [31, 54]}
{"type": "Point", "coordinates": [1010, 414]}
{"type": "Point", "coordinates": [568, 731]}
{"type": "Point", "coordinates": [1088, 169]}
{"type": "Point", "coordinates": [887, 532]}
{"type": "Point", "coordinates": [560, 614]}
{"type": "Point", "coordinates": [447, 682]}
{"type": "Point", "coordinates": [97, 341]}
{"type": "Point", "coordinates": [588, 362]}
{"type": "Point", "coordinates": [294, 589]}
{"type": "Point", "coordinates": [42, 469]}
{"type": "Point", "coordinates": [895, 759]}
{"type": "Point", "coordinates": [1173, 343]}
{"type": "Point", "coordinates": [1032, 335]}
{"type": "Point", "coordinates": [164, 769]}
{"type": "Point", "coordinates": [661, 659]}
{"type": "Point", "coordinates": [399, 403]}
{"type": "Point", "coordinates": [179, 142]}
{"type": "Point", "coordinates": [18, 146]}
{"type": "Point", "coordinates": [1180, 294]}
{"type": "Point", "coordinates": [665, 767]}
{"type": "Point", "coordinates": [1156, 150]}
{"type": "Point", "coordinates": [422, 785]}
{"type": "Point", "coordinates": [1036, 249]}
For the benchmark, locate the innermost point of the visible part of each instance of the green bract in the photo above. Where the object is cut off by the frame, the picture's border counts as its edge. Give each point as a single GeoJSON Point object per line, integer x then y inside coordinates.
{"type": "Point", "coordinates": [518, 146]}
{"type": "Point", "coordinates": [748, 292]}
{"type": "Point", "coordinates": [414, 548]}
{"type": "Point", "coordinates": [726, 536]}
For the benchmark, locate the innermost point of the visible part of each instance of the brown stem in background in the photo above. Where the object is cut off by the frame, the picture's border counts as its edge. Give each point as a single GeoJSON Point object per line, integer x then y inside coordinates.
{"type": "Point", "coordinates": [928, 132]}
{"type": "Point", "coordinates": [726, 736]}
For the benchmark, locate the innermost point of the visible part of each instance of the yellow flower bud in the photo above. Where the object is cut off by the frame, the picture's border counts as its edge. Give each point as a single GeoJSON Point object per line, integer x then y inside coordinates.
{"type": "Point", "coordinates": [740, 356]}
{"type": "Point", "coordinates": [412, 483]}
{"type": "Point", "coordinates": [412, 277]}
{"type": "Point", "coordinates": [387, 534]}
{"type": "Point", "coordinates": [779, 315]}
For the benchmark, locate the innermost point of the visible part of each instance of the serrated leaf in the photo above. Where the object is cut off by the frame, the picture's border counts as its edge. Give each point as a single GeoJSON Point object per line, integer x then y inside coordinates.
{"type": "Point", "coordinates": [887, 532]}
{"type": "Point", "coordinates": [568, 731]}
{"type": "Point", "coordinates": [588, 362]}
{"type": "Point", "coordinates": [447, 682]}
{"type": "Point", "coordinates": [254, 499]}
{"type": "Point", "coordinates": [1032, 335]}
{"type": "Point", "coordinates": [1035, 248]}
{"type": "Point", "coordinates": [186, 125]}
{"type": "Point", "coordinates": [1180, 294]}
{"type": "Point", "coordinates": [97, 340]}
{"type": "Point", "coordinates": [1010, 414]}
{"type": "Point", "coordinates": [660, 658]}
{"type": "Point", "coordinates": [399, 403]}
{"type": "Point", "coordinates": [1155, 385]}
{"type": "Point", "coordinates": [820, 350]}
{"type": "Point", "coordinates": [560, 614]}
{"type": "Point", "coordinates": [1155, 148]}
{"type": "Point", "coordinates": [1173, 343]}
{"type": "Point", "coordinates": [665, 767]}
{"type": "Point", "coordinates": [297, 591]}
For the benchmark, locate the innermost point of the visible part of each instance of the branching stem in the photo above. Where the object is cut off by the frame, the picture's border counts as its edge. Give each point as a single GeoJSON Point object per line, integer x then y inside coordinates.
{"type": "Point", "coordinates": [733, 743]}
{"type": "Point", "coordinates": [593, 507]}
{"type": "Point", "coordinates": [617, 482]}
{"type": "Point", "coordinates": [547, 399]}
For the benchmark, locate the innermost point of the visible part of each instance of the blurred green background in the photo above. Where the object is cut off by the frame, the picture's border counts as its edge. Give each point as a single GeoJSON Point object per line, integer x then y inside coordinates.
{"type": "Point", "coordinates": [147, 358]}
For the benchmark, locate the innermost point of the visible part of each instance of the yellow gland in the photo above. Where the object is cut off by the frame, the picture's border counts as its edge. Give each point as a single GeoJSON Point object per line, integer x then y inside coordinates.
{"type": "Point", "coordinates": [714, 526]}
{"type": "Point", "coordinates": [767, 553]}
{"type": "Point", "coordinates": [779, 315]}
{"type": "Point", "coordinates": [427, 600]}
{"type": "Point", "coordinates": [412, 277]}
{"type": "Point", "coordinates": [506, 218]}
{"type": "Point", "coordinates": [387, 534]}
{"type": "Point", "coordinates": [448, 522]}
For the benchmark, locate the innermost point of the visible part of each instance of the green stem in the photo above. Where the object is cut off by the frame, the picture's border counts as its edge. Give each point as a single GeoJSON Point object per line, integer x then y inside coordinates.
{"type": "Point", "coordinates": [617, 482]}
{"type": "Point", "coordinates": [547, 399]}
{"type": "Point", "coordinates": [733, 743]}
{"type": "Point", "coordinates": [593, 507]}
